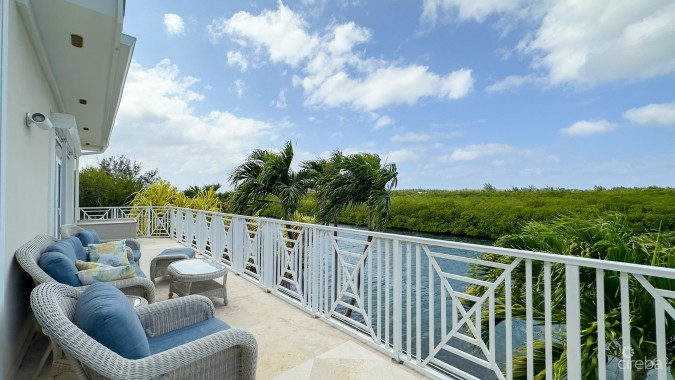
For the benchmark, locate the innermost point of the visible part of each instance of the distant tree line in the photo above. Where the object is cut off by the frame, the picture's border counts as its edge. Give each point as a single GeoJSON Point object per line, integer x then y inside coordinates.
{"type": "Point", "coordinates": [478, 213]}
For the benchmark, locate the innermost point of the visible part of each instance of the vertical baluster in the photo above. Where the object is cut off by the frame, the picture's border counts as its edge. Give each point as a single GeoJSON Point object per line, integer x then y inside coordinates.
{"type": "Point", "coordinates": [369, 282]}
{"type": "Point", "coordinates": [491, 328]}
{"type": "Point", "coordinates": [625, 324]}
{"type": "Point", "coordinates": [600, 301]}
{"type": "Point", "coordinates": [573, 311]}
{"type": "Point", "coordinates": [548, 330]}
{"type": "Point", "coordinates": [398, 301]}
{"type": "Point", "coordinates": [418, 305]}
{"type": "Point", "coordinates": [509, 331]}
{"type": "Point", "coordinates": [528, 319]}
{"type": "Point", "coordinates": [661, 358]}
{"type": "Point", "coordinates": [432, 308]}
{"type": "Point", "coordinates": [387, 308]}
{"type": "Point", "coordinates": [379, 291]}
{"type": "Point", "coordinates": [408, 301]}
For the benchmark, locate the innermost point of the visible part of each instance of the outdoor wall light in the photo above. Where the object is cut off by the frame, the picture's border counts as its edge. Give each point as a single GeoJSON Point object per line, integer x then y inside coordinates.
{"type": "Point", "coordinates": [39, 120]}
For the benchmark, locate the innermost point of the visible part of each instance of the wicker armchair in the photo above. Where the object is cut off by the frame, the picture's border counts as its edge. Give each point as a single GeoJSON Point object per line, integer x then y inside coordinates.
{"type": "Point", "coordinates": [223, 355]}
{"type": "Point", "coordinates": [29, 254]}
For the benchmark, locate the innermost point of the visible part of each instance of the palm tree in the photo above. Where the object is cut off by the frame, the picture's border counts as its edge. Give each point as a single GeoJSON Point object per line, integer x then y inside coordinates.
{"type": "Point", "coordinates": [347, 182]}
{"type": "Point", "coordinates": [606, 238]}
{"type": "Point", "coordinates": [267, 177]}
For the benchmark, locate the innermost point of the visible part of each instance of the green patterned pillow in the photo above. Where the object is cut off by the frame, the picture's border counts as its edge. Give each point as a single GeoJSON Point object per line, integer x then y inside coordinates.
{"type": "Point", "coordinates": [82, 265]}
{"type": "Point", "coordinates": [112, 253]}
{"type": "Point", "coordinates": [105, 274]}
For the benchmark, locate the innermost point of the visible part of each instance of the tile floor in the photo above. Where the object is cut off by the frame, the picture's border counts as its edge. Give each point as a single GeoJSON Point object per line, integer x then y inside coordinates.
{"type": "Point", "coordinates": [291, 343]}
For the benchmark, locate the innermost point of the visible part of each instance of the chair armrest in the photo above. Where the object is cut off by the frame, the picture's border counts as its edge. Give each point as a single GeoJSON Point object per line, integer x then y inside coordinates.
{"type": "Point", "coordinates": [136, 286]}
{"type": "Point", "coordinates": [133, 244]}
{"type": "Point", "coordinates": [162, 317]}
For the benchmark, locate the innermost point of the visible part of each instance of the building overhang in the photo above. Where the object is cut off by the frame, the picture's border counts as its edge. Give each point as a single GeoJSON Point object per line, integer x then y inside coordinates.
{"type": "Point", "coordinates": [86, 81]}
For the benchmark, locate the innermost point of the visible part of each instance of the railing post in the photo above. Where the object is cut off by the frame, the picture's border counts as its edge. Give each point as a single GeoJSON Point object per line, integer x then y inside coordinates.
{"type": "Point", "coordinates": [398, 303]}
{"type": "Point", "coordinates": [268, 256]}
{"type": "Point", "coordinates": [313, 256]}
{"type": "Point", "coordinates": [573, 311]}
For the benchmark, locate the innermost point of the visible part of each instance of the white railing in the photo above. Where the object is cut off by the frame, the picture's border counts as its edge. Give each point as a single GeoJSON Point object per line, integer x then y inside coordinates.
{"type": "Point", "coordinates": [415, 300]}
{"type": "Point", "coordinates": [152, 221]}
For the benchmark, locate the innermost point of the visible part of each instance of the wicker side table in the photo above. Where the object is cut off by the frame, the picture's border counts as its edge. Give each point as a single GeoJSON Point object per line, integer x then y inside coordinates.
{"type": "Point", "coordinates": [198, 276]}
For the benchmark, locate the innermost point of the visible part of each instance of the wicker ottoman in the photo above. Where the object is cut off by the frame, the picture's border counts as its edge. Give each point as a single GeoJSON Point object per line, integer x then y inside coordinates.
{"type": "Point", "coordinates": [161, 262]}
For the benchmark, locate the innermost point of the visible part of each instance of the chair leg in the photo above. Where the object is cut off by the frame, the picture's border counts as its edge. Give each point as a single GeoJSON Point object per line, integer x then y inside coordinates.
{"type": "Point", "coordinates": [45, 356]}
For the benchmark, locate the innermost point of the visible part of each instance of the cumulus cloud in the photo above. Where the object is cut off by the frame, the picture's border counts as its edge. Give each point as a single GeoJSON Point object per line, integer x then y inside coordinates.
{"type": "Point", "coordinates": [476, 151]}
{"type": "Point", "coordinates": [333, 72]}
{"type": "Point", "coordinates": [402, 155]}
{"type": "Point", "coordinates": [281, 101]}
{"type": "Point", "coordinates": [511, 82]}
{"type": "Point", "coordinates": [157, 124]}
{"type": "Point", "coordinates": [382, 122]}
{"type": "Point", "coordinates": [586, 128]}
{"type": "Point", "coordinates": [235, 58]}
{"type": "Point", "coordinates": [581, 43]}
{"type": "Point", "coordinates": [239, 87]}
{"type": "Point", "coordinates": [281, 32]}
{"type": "Point", "coordinates": [476, 10]}
{"type": "Point", "coordinates": [411, 137]}
{"type": "Point", "coordinates": [652, 114]}
{"type": "Point", "coordinates": [174, 24]}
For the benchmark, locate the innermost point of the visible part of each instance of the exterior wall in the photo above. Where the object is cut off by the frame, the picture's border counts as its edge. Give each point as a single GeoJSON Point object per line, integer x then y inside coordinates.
{"type": "Point", "coordinates": [27, 183]}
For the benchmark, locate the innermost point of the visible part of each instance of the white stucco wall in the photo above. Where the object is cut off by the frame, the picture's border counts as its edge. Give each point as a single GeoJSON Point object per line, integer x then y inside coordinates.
{"type": "Point", "coordinates": [28, 181]}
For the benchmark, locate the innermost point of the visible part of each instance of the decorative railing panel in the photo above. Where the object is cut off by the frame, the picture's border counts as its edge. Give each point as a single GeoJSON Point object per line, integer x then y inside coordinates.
{"type": "Point", "coordinates": [421, 301]}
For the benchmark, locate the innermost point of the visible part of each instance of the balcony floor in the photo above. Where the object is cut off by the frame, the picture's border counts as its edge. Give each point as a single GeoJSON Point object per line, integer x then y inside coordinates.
{"type": "Point", "coordinates": [291, 343]}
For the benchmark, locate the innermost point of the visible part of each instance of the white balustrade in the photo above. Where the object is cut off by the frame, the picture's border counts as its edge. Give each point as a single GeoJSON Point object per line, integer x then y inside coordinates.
{"type": "Point", "coordinates": [414, 298]}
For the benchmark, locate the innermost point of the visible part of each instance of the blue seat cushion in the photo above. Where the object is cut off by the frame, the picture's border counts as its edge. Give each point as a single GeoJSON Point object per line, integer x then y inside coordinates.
{"type": "Point", "coordinates": [189, 252]}
{"type": "Point", "coordinates": [60, 267]}
{"type": "Point", "coordinates": [71, 247]}
{"type": "Point", "coordinates": [187, 334]}
{"type": "Point", "coordinates": [104, 313]}
{"type": "Point", "coordinates": [88, 237]}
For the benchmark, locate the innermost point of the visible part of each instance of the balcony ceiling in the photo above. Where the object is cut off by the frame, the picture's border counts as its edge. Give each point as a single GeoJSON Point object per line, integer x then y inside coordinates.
{"type": "Point", "coordinates": [94, 73]}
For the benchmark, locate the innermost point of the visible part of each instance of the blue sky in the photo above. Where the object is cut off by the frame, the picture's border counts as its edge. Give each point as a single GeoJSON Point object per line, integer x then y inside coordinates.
{"type": "Point", "coordinates": [457, 93]}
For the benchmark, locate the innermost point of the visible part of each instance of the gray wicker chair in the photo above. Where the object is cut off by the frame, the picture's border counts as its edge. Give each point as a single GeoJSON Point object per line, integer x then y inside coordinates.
{"type": "Point", "coordinates": [227, 354]}
{"type": "Point", "coordinates": [29, 254]}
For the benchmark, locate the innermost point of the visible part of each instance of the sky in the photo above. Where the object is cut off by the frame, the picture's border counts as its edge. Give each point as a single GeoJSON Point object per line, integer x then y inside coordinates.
{"type": "Point", "coordinates": [457, 93]}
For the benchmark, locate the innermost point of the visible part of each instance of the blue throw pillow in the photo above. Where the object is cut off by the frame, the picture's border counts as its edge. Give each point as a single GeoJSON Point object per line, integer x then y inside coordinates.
{"type": "Point", "coordinates": [104, 313]}
{"type": "Point", "coordinates": [88, 237]}
{"type": "Point", "coordinates": [77, 246]}
{"type": "Point", "coordinates": [60, 267]}
{"type": "Point", "coordinates": [65, 248]}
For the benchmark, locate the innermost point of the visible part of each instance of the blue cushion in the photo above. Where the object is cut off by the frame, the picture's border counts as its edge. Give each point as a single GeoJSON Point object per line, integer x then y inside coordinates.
{"type": "Point", "coordinates": [60, 267]}
{"type": "Point", "coordinates": [187, 334]}
{"type": "Point", "coordinates": [88, 237]}
{"type": "Point", "coordinates": [66, 248]}
{"type": "Point", "coordinates": [189, 252]}
{"type": "Point", "coordinates": [104, 313]}
{"type": "Point", "coordinates": [77, 246]}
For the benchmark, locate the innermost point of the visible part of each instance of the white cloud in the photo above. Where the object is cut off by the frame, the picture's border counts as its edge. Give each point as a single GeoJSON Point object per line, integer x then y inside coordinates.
{"type": "Point", "coordinates": [174, 24]}
{"type": "Point", "coordinates": [337, 134]}
{"type": "Point", "coordinates": [512, 81]}
{"type": "Point", "coordinates": [240, 87]}
{"type": "Point", "coordinates": [281, 32]}
{"type": "Point", "coordinates": [476, 10]}
{"type": "Point", "coordinates": [652, 114]}
{"type": "Point", "coordinates": [402, 155]}
{"type": "Point", "coordinates": [411, 137]}
{"type": "Point", "coordinates": [333, 72]}
{"type": "Point", "coordinates": [281, 101]}
{"type": "Point", "coordinates": [586, 42]}
{"type": "Point", "coordinates": [581, 43]}
{"type": "Point", "coordinates": [158, 126]}
{"type": "Point", "coordinates": [235, 58]}
{"type": "Point", "coordinates": [476, 151]}
{"type": "Point", "coordinates": [585, 128]}
{"type": "Point", "coordinates": [382, 122]}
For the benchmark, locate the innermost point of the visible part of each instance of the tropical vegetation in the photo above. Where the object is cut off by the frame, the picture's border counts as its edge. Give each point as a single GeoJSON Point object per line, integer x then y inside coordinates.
{"type": "Point", "coordinates": [113, 182]}
{"type": "Point", "coordinates": [608, 237]}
